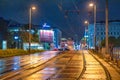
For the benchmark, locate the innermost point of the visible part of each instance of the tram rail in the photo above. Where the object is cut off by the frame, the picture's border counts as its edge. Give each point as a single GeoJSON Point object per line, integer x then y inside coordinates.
{"type": "Point", "coordinates": [70, 65]}
{"type": "Point", "coordinates": [108, 76]}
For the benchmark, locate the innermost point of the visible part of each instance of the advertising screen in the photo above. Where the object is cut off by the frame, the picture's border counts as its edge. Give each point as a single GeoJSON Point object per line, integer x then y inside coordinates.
{"type": "Point", "coordinates": [46, 35]}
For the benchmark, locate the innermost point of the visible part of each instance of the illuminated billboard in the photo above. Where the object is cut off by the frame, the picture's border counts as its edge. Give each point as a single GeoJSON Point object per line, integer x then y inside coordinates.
{"type": "Point", "coordinates": [46, 35]}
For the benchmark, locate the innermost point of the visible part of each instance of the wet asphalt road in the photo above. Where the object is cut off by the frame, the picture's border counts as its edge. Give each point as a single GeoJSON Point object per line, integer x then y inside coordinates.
{"type": "Point", "coordinates": [66, 67]}
{"type": "Point", "coordinates": [17, 63]}
{"type": "Point", "coordinates": [52, 65]}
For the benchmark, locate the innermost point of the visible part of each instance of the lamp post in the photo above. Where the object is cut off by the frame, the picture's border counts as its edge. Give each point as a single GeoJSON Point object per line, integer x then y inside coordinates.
{"type": "Point", "coordinates": [86, 31]}
{"type": "Point", "coordinates": [106, 26]}
{"type": "Point", "coordinates": [94, 6]}
{"type": "Point", "coordinates": [30, 24]}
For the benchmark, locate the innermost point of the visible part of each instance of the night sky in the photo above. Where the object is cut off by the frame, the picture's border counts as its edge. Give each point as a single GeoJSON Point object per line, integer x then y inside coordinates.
{"type": "Point", "coordinates": [59, 13]}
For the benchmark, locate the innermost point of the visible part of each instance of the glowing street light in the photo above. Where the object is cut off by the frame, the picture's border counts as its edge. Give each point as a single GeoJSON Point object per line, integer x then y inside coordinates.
{"type": "Point", "coordinates": [30, 23]}
{"type": "Point", "coordinates": [86, 31]}
{"type": "Point", "coordinates": [86, 22]}
{"type": "Point", "coordinates": [91, 4]}
{"type": "Point", "coordinates": [94, 6]}
{"type": "Point", "coordinates": [33, 7]}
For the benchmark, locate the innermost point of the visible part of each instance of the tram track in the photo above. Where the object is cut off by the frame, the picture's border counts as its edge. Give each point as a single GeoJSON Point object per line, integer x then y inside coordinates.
{"type": "Point", "coordinates": [98, 67]}
{"type": "Point", "coordinates": [70, 65]}
{"type": "Point", "coordinates": [71, 69]}
{"type": "Point", "coordinates": [108, 76]}
{"type": "Point", "coordinates": [76, 67]}
{"type": "Point", "coordinates": [84, 68]}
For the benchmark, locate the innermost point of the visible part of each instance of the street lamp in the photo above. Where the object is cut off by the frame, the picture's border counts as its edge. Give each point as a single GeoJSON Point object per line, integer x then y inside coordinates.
{"type": "Point", "coordinates": [30, 23]}
{"type": "Point", "coordinates": [86, 22]}
{"type": "Point", "coordinates": [86, 31]}
{"type": "Point", "coordinates": [106, 26]}
{"type": "Point", "coordinates": [94, 6]}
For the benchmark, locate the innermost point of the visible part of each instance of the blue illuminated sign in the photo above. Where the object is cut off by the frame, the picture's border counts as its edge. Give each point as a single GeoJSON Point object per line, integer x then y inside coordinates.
{"type": "Point", "coordinates": [45, 25]}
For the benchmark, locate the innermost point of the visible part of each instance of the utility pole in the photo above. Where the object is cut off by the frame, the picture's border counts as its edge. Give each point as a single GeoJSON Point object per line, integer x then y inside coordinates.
{"type": "Point", "coordinates": [95, 26]}
{"type": "Point", "coordinates": [30, 25]}
{"type": "Point", "coordinates": [106, 26]}
{"type": "Point", "coordinates": [30, 12]}
{"type": "Point", "coordinates": [94, 8]}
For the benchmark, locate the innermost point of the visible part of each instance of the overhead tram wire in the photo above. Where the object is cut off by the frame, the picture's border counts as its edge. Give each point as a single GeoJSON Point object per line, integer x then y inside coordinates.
{"type": "Point", "coordinates": [59, 26]}
{"type": "Point", "coordinates": [78, 11]}
{"type": "Point", "coordinates": [72, 11]}
{"type": "Point", "coordinates": [60, 5]}
{"type": "Point", "coordinates": [72, 27]}
{"type": "Point", "coordinates": [68, 23]}
{"type": "Point", "coordinates": [68, 34]}
{"type": "Point", "coordinates": [61, 9]}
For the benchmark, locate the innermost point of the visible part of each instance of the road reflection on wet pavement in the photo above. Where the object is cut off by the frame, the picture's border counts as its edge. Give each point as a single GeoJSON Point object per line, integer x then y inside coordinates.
{"type": "Point", "coordinates": [67, 67]}
{"type": "Point", "coordinates": [18, 62]}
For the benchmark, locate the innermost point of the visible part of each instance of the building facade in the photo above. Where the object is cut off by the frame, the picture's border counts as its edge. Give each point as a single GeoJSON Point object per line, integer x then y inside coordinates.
{"type": "Point", "coordinates": [113, 30]}
{"type": "Point", "coordinates": [50, 38]}
{"type": "Point", "coordinates": [57, 37]}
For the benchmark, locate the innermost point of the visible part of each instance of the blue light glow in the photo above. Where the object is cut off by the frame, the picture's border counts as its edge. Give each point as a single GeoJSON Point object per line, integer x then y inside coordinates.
{"type": "Point", "coordinates": [45, 25]}
{"type": "Point", "coordinates": [16, 37]}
